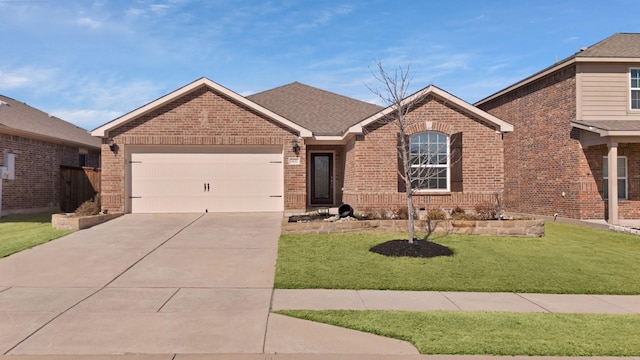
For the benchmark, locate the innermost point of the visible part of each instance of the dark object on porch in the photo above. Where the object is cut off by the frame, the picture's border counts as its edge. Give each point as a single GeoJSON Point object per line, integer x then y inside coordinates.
{"type": "Point", "coordinates": [345, 210]}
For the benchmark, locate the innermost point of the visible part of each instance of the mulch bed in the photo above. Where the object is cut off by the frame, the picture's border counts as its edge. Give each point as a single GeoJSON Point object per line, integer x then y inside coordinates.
{"type": "Point", "coordinates": [419, 248]}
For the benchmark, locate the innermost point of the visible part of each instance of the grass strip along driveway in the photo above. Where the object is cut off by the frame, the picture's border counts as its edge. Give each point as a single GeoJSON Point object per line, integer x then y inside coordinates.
{"type": "Point", "coordinates": [474, 333]}
{"type": "Point", "coordinates": [569, 259]}
{"type": "Point", "coordinates": [19, 232]}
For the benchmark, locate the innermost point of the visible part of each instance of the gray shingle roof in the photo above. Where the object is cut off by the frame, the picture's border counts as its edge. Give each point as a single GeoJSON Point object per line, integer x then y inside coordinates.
{"type": "Point", "coordinates": [612, 125]}
{"type": "Point", "coordinates": [24, 118]}
{"type": "Point", "coordinates": [321, 111]}
{"type": "Point", "coordinates": [621, 45]}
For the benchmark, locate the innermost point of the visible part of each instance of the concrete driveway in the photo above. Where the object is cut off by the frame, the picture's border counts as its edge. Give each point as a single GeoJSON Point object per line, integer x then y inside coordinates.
{"type": "Point", "coordinates": [148, 283]}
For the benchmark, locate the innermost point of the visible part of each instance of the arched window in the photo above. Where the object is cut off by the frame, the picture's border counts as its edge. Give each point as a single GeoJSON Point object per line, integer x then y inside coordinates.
{"type": "Point", "coordinates": [430, 160]}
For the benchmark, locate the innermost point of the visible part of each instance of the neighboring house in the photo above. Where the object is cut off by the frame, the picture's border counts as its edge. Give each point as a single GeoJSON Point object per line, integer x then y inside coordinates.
{"type": "Point", "coordinates": [205, 148]}
{"type": "Point", "coordinates": [38, 145]}
{"type": "Point", "coordinates": [576, 122]}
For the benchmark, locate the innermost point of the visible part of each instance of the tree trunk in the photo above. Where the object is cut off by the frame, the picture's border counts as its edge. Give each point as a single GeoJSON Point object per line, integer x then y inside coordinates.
{"type": "Point", "coordinates": [411, 222]}
{"type": "Point", "coordinates": [407, 181]}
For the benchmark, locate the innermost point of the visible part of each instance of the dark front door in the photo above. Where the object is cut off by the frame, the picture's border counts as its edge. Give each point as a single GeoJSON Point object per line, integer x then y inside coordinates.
{"type": "Point", "coordinates": [321, 178]}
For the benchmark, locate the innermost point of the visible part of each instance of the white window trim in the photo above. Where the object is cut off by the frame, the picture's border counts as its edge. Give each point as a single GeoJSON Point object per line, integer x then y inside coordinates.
{"type": "Point", "coordinates": [447, 166]}
{"type": "Point", "coordinates": [631, 89]}
{"type": "Point", "coordinates": [625, 178]}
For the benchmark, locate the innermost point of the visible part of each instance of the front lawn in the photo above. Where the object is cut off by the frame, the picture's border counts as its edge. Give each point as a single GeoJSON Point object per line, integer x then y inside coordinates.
{"type": "Point", "coordinates": [19, 232]}
{"type": "Point", "coordinates": [568, 260]}
{"type": "Point", "coordinates": [535, 334]}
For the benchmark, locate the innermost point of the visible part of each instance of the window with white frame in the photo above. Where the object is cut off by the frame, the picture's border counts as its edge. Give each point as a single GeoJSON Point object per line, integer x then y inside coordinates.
{"type": "Point", "coordinates": [429, 158]}
{"type": "Point", "coordinates": [635, 88]}
{"type": "Point", "coordinates": [622, 177]}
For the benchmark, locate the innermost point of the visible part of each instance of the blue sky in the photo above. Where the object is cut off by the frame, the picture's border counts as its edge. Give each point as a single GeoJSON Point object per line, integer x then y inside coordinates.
{"type": "Point", "coordinates": [89, 62]}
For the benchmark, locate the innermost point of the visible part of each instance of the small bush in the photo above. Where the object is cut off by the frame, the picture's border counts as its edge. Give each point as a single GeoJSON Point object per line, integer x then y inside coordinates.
{"type": "Point", "coordinates": [436, 214]}
{"type": "Point", "coordinates": [403, 213]}
{"type": "Point", "coordinates": [463, 216]}
{"type": "Point", "coordinates": [457, 211]}
{"type": "Point", "coordinates": [88, 208]}
{"type": "Point", "coordinates": [486, 211]}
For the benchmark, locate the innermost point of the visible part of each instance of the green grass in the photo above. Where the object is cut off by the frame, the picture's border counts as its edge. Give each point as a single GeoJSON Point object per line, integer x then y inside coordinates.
{"type": "Point", "coordinates": [534, 334]}
{"type": "Point", "coordinates": [19, 232]}
{"type": "Point", "coordinates": [569, 259]}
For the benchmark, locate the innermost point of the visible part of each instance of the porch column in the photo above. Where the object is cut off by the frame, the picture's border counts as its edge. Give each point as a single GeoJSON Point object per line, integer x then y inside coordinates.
{"type": "Point", "coordinates": [612, 169]}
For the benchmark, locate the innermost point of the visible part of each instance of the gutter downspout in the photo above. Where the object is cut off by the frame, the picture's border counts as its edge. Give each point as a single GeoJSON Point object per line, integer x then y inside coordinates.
{"type": "Point", "coordinates": [612, 158]}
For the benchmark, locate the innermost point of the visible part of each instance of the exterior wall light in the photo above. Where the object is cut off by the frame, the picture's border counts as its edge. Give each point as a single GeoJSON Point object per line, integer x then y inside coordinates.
{"type": "Point", "coordinates": [112, 145]}
{"type": "Point", "coordinates": [296, 147]}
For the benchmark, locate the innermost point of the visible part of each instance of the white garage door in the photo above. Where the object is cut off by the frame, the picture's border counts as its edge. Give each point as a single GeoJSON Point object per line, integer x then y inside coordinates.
{"type": "Point", "coordinates": [224, 179]}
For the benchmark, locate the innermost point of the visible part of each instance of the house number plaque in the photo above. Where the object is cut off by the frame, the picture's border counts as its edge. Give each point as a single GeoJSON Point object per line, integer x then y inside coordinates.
{"type": "Point", "coordinates": [294, 161]}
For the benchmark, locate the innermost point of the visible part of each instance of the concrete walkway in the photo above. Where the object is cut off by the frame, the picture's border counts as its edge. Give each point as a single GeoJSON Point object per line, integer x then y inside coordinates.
{"type": "Point", "coordinates": [452, 301]}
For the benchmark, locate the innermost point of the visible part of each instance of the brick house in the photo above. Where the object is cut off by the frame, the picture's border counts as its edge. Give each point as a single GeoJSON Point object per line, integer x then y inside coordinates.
{"type": "Point", "coordinates": [35, 146]}
{"type": "Point", "coordinates": [206, 148]}
{"type": "Point", "coordinates": [576, 122]}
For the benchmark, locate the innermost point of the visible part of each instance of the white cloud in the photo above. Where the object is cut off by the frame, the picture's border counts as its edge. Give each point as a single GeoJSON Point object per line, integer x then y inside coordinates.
{"type": "Point", "coordinates": [159, 8]}
{"type": "Point", "coordinates": [88, 22]}
{"type": "Point", "coordinates": [27, 77]}
{"type": "Point", "coordinates": [95, 101]}
{"type": "Point", "coordinates": [134, 12]}
{"type": "Point", "coordinates": [325, 16]}
{"type": "Point", "coordinates": [88, 119]}
{"type": "Point", "coordinates": [89, 101]}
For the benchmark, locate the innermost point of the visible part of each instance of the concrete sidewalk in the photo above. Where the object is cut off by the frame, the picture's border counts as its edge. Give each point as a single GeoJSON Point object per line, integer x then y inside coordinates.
{"type": "Point", "coordinates": [318, 299]}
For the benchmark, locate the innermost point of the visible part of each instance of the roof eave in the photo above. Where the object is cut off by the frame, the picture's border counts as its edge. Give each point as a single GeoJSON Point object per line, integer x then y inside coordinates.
{"type": "Point", "coordinates": [50, 139]}
{"type": "Point", "coordinates": [103, 131]}
{"type": "Point", "coordinates": [569, 61]}
{"type": "Point", "coordinates": [605, 132]}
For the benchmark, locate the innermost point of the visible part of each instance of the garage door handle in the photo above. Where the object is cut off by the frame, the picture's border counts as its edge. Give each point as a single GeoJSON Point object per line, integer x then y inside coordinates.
{"type": "Point", "coordinates": [275, 195]}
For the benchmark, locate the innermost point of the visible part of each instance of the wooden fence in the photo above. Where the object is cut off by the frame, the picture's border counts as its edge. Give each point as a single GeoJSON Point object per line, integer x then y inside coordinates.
{"type": "Point", "coordinates": [77, 185]}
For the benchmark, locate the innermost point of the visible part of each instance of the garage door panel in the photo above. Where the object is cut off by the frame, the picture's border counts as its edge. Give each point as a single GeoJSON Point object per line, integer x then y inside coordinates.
{"type": "Point", "coordinates": [239, 179]}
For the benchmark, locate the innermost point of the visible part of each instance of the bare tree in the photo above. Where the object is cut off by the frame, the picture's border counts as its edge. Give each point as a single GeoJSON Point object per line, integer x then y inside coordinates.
{"type": "Point", "coordinates": [420, 164]}
{"type": "Point", "coordinates": [394, 91]}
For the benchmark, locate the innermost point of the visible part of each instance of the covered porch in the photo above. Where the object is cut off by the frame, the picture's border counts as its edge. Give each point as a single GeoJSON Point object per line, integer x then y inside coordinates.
{"type": "Point", "coordinates": [612, 150]}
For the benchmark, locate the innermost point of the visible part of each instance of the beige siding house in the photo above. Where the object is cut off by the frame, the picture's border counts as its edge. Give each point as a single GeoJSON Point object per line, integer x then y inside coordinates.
{"type": "Point", "coordinates": [576, 122]}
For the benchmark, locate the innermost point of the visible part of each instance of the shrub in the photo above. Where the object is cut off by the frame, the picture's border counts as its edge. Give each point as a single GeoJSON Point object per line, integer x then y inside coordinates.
{"type": "Point", "coordinates": [436, 214]}
{"type": "Point", "coordinates": [468, 217]}
{"type": "Point", "coordinates": [457, 212]}
{"type": "Point", "coordinates": [402, 213]}
{"type": "Point", "coordinates": [88, 208]}
{"type": "Point", "coordinates": [486, 211]}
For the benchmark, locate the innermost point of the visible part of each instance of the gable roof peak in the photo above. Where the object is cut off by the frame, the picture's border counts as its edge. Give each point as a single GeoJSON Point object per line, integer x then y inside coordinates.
{"type": "Point", "coordinates": [103, 130]}
{"type": "Point", "coordinates": [436, 92]}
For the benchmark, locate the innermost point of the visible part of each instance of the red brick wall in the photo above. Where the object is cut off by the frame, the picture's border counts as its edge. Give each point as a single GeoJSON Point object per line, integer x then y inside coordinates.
{"type": "Point", "coordinates": [543, 156]}
{"type": "Point", "coordinates": [201, 117]}
{"type": "Point", "coordinates": [371, 172]}
{"type": "Point", "coordinates": [37, 170]}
